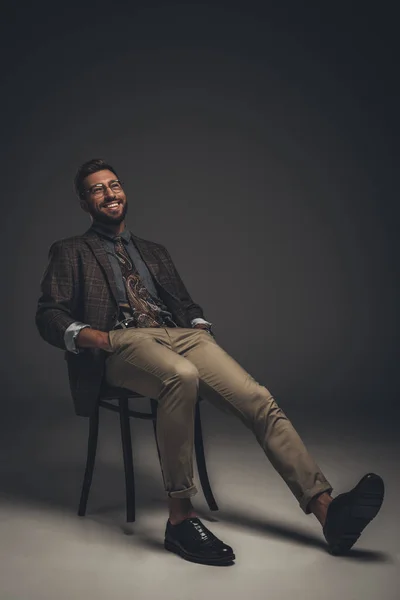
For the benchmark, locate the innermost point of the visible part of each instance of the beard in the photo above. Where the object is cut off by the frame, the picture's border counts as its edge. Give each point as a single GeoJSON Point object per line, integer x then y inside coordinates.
{"type": "Point", "coordinates": [100, 216]}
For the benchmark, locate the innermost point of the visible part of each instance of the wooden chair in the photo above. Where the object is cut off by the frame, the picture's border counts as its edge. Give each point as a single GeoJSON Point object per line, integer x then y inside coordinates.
{"type": "Point", "coordinates": [122, 396]}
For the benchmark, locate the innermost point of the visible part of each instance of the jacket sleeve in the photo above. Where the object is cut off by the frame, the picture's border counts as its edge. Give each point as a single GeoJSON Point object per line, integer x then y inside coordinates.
{"type": "Point", "coordinates": [193, 310]}
{"type": "Point", "coordinates": [58, 300]}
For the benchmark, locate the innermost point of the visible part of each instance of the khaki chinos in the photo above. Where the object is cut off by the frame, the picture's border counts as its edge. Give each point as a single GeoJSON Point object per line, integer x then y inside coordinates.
{"type": "Point", "coordinates": [176, 365]}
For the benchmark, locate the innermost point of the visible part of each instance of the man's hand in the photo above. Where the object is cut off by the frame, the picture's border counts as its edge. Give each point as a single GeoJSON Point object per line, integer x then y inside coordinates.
{"type": "Point", "coordinates": [106, 342]}
{"type": "Point", "coordinates": [93, 338]}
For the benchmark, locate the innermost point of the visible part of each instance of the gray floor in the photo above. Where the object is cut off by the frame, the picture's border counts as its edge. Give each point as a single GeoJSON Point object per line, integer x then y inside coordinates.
{"type": "Point", "coordinates": [48, 552]}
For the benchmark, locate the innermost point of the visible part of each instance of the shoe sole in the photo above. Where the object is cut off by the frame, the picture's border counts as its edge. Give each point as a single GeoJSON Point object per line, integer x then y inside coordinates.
{"type": "Point", "coordinates": [366, 502]}
{"type": "Point", "coordinates": [171, 547]}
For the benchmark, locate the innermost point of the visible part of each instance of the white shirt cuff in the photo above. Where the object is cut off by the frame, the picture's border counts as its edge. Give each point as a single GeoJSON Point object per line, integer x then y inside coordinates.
{"type": "Point", "coordinates": [70, 336]}
{"type": "Point", "coordinates": [199, 320]}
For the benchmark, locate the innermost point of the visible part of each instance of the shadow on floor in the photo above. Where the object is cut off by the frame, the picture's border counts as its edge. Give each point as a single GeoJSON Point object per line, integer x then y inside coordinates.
{"type": "Point", "coordinates": [284, 532]}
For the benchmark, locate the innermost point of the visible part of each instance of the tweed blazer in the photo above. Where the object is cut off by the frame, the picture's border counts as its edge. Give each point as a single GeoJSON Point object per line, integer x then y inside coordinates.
{"type": "Point", "coordinates": [78, 284]}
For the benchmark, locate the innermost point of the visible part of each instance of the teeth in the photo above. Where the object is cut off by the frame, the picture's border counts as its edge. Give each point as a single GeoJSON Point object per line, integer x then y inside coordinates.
{"type": "Point", "coordinates": [112, 205]}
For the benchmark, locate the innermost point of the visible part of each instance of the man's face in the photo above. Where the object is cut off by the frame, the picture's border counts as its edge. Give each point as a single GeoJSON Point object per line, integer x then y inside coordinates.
{"type": "Point", "coordinates": [100, 202]}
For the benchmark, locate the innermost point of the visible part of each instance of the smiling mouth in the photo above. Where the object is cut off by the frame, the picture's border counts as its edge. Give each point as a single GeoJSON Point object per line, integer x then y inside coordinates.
{"type": "Point", "coordinates": [112, 205]}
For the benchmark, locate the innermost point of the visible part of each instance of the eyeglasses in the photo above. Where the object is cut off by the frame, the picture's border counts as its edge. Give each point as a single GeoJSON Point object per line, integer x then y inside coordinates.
{"type": "Point", "coordinates": [99, 189]}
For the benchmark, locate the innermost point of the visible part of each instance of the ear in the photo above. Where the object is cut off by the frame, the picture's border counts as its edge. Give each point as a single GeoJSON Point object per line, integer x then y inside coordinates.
{"type": "Point", "coordinates": [83, 205]}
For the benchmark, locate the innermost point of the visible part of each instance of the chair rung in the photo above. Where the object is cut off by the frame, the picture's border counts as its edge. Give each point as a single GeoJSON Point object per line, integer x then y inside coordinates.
{"type": "Point", "coordinates": [139, 415]}
{"type": "Point", "coordinates": [132, 413]}
{"type": "Point", "coordinates": [116, 395]}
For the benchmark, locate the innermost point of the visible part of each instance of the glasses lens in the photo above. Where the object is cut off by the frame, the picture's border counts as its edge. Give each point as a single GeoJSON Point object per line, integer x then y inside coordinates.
{"type": "Point", "coordinates": [97, 190]}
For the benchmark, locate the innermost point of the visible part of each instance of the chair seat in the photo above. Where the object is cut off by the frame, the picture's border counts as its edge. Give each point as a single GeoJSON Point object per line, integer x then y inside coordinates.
{"type": "Point", "coordinates": [111, 392]}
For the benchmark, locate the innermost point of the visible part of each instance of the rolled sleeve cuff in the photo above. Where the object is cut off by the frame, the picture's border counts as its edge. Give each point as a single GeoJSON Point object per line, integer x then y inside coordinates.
{"type": "Point", "coordinates": [199, 320]}
{"type": "Point", "coordinates": [70, 336]}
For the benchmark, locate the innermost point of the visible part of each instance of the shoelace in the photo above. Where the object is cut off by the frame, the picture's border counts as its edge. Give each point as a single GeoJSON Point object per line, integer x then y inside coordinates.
{"type": "Point", "coordinates": [206, 536]}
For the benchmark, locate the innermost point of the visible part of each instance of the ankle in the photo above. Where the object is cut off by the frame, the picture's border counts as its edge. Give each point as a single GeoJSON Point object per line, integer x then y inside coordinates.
{"type": "Point", "coordinates": [175, 519]}
{"type": "Point", "coordinates": [319, 506]}
{"type": "Point", "coordinates": [180, 509]}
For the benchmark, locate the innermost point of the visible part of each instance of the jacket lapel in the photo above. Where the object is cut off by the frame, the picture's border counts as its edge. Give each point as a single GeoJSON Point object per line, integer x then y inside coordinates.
{"type": "Point", "coordinates": [96, 245]}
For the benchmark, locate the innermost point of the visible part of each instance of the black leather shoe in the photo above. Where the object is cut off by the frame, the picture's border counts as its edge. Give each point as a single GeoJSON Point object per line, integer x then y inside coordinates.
{"type": "Point", "coordinates": [349, 513]}
{"type": "Point", "coordinates": [193, 541]}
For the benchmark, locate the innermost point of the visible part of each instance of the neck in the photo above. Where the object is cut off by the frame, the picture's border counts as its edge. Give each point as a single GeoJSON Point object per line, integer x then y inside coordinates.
{"type": "Point", "coordinates": [112, 229]}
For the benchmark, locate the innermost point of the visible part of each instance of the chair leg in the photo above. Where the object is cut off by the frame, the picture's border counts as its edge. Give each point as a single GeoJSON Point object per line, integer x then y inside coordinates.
{"type": "Point", "coordinates": [90, 460]}
{"type": "Point", "coordinates": [128, 460]}
{"type": "Point", "coordinates": [154, 404]}
{"type": "Point", "coordinates": [201, 462]}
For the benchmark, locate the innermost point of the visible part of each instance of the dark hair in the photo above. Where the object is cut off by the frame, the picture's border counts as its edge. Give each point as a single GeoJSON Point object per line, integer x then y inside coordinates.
{"type": "Point", "coordinates": [89, 167]}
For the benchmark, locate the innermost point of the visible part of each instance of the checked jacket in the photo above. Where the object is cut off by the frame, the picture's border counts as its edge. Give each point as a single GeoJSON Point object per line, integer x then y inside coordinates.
{"type": "Point", "coordinates": [78, 285]}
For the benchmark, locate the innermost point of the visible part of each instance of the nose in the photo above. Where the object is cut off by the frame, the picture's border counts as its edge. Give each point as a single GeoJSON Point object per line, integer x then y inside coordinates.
{"type": "Point", "coordinates": [109, 193]}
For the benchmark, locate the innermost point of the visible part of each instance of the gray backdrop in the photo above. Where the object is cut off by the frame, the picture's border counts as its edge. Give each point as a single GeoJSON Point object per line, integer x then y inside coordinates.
{"type": "Point", "coordinates": [258, 145]}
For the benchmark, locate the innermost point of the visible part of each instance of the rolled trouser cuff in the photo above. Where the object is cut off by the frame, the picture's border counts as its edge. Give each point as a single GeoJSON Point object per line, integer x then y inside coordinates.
{"type": "Point", "coordinates": [308, 495]}
{"type": "Point", "coordinates": [186, 493]}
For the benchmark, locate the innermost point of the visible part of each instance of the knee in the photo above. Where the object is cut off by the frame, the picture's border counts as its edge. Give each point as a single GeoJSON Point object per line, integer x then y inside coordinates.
{"type": "Point", "coordinates": [186, 373]}
{"type": "Point", "coordinates": [266, 408]}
